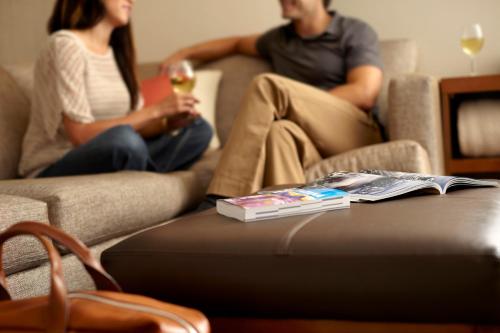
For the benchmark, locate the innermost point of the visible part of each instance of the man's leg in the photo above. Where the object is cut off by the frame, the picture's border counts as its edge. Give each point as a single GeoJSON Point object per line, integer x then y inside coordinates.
{"type": "Point", "coordinates": [179, 152]}
{"type": "Point", "coordinates": [333, 125]}
{"type": "Point", "coordinates": [289, 151]}
{"type": "Point", "coordinates": [119, 148]}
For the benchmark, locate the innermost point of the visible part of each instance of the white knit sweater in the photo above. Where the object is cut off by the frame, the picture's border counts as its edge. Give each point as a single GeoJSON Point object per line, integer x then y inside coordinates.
{"type": "Point", "coordinates": [69, 79]}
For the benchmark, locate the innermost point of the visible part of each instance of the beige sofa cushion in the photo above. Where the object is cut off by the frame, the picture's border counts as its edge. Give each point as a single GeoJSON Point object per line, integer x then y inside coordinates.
{"type": "Point", "coordinates": [21, 252]}
{"type": "Point", "coordinates": [36, 281]}
{"type": "Point", "coordinates": [97, 208]}
{"type": "Point", "coordinates": [401, 155]}
{"type": "Point", "coordinates": [205, 167]}
{"type": "Point", "coordinates": [14, 113]}
{"type": "Point", "coordinates": [23, 74]}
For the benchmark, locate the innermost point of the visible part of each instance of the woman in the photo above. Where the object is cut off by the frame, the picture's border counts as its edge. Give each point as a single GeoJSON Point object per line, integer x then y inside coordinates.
{"type": "Point", "coordinates": [87, 115]}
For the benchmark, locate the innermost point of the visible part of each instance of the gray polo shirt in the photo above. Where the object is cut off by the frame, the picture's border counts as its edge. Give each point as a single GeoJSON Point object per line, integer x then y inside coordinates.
{"type": "Point", "coordinates": [322, 61]}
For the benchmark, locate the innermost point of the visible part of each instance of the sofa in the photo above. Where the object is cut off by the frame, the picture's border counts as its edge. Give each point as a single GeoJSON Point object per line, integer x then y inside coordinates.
{"type": "Point", "coordinates": [103, 209]}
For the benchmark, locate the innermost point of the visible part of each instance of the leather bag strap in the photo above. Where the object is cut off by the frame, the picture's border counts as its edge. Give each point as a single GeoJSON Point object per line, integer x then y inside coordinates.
{"type": "Point", "coordinates": [58, 308]}
{"type": "Point", "coordinates": [102, 279]}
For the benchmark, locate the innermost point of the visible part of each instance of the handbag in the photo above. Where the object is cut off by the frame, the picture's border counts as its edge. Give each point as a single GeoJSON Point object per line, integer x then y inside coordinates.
{"type": "Point", "coordinates": [105, 310]}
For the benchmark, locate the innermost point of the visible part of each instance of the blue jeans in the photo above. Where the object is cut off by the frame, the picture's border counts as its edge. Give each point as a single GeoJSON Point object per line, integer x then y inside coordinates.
{"type": "Point", "coordinates": [122, 148]}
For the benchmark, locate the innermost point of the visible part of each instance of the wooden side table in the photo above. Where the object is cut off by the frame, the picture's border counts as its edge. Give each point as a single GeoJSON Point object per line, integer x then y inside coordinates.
{"type": "Point", "coordinates": [453, 92]}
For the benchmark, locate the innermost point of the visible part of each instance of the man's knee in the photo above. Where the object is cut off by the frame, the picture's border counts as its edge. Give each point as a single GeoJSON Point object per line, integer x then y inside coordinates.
{"type": "Point", "coordinates": [266, 80]}
{"type": "Point", "coordinates": [278, 130]}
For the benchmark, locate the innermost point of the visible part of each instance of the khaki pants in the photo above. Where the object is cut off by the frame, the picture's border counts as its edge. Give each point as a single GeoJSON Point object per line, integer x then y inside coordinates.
{"type": "Point", "coordinates": [283, 128]}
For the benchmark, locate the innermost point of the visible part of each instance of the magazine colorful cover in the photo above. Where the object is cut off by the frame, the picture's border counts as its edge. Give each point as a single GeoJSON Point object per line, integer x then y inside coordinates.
{"type": "Point", "coordinates": [286, 197]}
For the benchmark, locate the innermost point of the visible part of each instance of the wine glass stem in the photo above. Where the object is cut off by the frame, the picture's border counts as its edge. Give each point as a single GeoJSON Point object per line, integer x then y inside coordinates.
{"type": "Point", "coordinates": [472, 66]}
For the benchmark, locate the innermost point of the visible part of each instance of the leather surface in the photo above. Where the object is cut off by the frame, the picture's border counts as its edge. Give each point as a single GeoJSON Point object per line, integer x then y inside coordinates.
{"type": "Point", "coordinates": [427, 258]}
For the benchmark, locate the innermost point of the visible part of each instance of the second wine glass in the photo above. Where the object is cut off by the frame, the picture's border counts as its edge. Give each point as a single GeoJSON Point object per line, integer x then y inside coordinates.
{"type": "Point", "coordinates": [182, 76]}
{"type": "Point", "coordinates": [472, 42]}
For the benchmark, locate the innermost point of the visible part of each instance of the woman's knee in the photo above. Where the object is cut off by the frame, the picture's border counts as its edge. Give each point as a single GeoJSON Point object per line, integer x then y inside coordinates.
{"type": "Point", "coordinates": [203, 129]}
{"type": "Point", "coordinates": [125, 137]}
{"type": "Point", "coordinates": [126, 147]}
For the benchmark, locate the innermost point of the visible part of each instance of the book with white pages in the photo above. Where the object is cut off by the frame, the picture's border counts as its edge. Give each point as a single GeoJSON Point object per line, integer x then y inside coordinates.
{"type": "Point", "coordinates": [282, 203]}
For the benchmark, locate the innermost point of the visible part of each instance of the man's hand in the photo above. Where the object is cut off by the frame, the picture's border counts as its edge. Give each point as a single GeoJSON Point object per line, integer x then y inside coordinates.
{"type": "Point", "coordinates": [362, 87]}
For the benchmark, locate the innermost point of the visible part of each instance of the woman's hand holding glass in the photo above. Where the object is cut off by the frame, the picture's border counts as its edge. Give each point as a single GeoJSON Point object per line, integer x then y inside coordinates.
{"type": "Point", "coordinates": [178, 103]}
{"type": "Point", "coordinates": [178, 109]}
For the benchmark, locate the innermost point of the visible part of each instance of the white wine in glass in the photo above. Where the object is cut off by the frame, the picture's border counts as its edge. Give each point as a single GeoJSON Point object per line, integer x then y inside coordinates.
{"type": "Point", "coordinates": [472, 42]}
{"type": "Point", "coordinates": [182, 76]}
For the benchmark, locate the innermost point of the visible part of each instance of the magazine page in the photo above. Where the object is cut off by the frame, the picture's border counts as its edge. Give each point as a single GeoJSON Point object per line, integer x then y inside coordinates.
{"type": "Point", "coordinates": [463, 181]}
{"type": "Point", "coordinates": [372, 187]}
{"type": "Point", "coordinates": [444, 182]}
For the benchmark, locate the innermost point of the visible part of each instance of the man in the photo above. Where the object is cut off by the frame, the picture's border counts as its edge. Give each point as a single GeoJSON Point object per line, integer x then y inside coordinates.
{"type": "Point", "coordinates": [319, 104]}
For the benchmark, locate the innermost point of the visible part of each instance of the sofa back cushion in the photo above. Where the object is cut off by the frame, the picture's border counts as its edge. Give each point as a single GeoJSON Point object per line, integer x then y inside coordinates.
{"type": "Point", "coordinates": [398, 57]}
{"type": "Point", "coordinates": [14, 114]}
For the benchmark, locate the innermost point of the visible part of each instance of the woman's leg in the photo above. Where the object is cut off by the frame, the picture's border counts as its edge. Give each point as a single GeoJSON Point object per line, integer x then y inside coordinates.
{"type": "Point", "coordinates": [178, 152]}
{"type": "Point", "coordinates": [119, 148]}
{"type": "Point", "coordinates": [333, 125]}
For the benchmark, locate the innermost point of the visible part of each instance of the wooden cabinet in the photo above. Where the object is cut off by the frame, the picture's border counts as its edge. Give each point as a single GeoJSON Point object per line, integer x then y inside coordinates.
{"type": "Point", "coordinates": [453, 92]}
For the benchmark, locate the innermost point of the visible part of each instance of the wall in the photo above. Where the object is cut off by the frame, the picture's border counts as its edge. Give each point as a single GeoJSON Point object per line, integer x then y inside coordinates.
{"type": "Point", "coordinates": [436, 25]}
{"type": "Point", "coordinates": [22, 29]}
{"type": "Point", "coordinates": [162, 26]}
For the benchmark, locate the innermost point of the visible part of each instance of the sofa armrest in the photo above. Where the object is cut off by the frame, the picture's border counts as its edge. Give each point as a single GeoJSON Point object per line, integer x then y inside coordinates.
{"type": "Point", "coordinates": [415, 114]}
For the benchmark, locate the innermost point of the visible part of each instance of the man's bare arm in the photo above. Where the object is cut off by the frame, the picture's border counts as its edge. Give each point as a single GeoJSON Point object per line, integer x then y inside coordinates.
{"type": "Point", "coordinates": [362, 87]}
{"type": "Point", "coordinates": [215, 49]}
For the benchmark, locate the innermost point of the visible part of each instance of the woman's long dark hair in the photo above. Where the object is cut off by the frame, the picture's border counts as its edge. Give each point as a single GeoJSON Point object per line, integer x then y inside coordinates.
{"type": "Point", "coordinates": [85, 14]}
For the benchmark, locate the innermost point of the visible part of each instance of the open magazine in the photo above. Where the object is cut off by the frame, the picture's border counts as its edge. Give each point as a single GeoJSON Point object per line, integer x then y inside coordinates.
{"type": "Point", "coordinates": [374, 185]}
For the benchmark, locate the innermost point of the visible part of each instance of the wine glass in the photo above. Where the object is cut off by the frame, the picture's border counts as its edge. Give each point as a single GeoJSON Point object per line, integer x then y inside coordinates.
{"type": "Point", "coordinates": [472, 42]}
{"type": "Point", "coordinates": [182, 76]}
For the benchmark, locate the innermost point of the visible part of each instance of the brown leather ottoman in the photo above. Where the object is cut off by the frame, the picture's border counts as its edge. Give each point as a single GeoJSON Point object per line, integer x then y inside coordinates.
{"type": "Point", "coordinates": [427, 259]}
